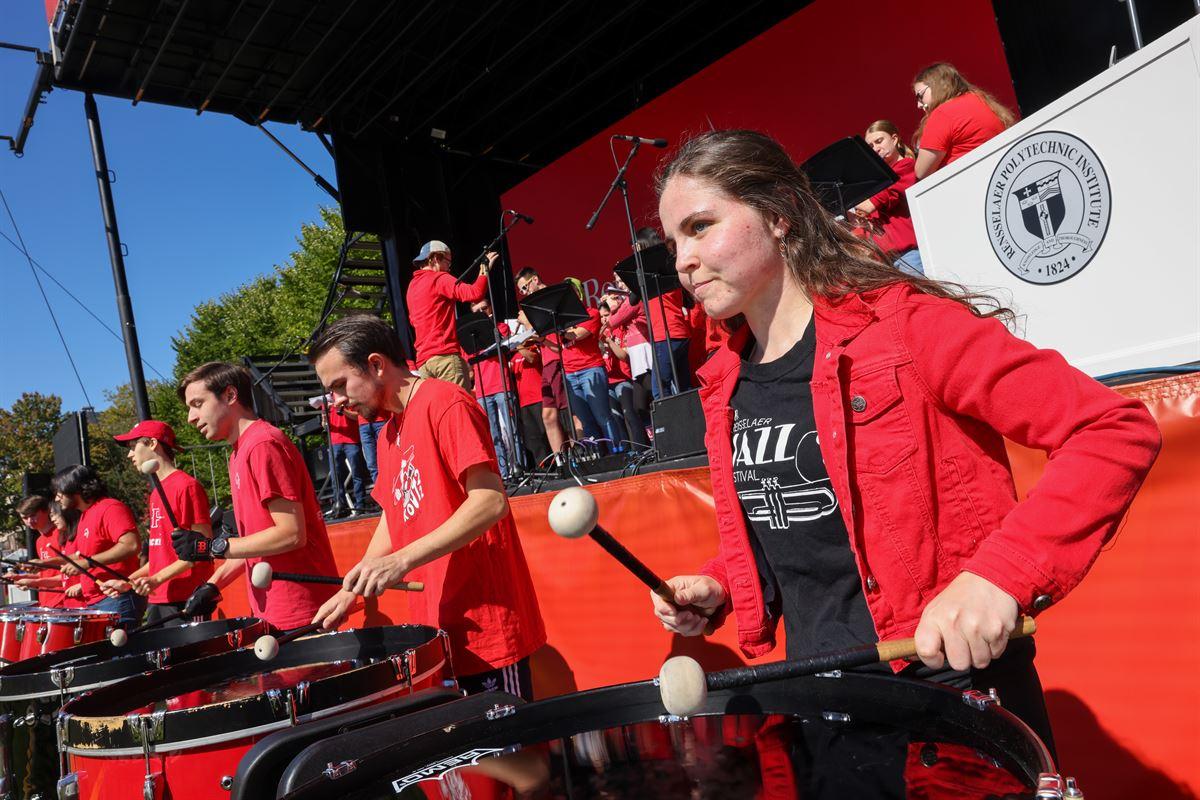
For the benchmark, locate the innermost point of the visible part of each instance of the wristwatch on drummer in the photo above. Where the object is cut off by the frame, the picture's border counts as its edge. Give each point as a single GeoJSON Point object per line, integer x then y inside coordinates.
{"type": "Point", "coordinates": [219, 545]}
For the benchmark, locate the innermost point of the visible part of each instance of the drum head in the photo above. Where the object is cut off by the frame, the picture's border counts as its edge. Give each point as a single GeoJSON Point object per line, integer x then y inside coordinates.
{"type": "Point", "coordinates": [843, 736]}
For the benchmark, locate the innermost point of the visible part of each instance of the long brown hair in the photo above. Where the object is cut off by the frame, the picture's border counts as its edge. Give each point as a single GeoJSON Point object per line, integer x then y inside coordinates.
{"type": "Point", "coordinates": [824, 257]}
{"type": "Point", "coordinates": [945, 82]}
{"type": "Point", "coordinates": [889, 127]}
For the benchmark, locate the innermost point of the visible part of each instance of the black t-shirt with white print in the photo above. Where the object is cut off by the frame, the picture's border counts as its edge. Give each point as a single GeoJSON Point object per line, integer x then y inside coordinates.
{"type": "Point", "coordinates": [800, 540]}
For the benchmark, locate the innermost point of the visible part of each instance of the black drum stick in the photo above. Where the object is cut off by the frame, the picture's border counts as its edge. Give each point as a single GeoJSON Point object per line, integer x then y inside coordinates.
{"type": "Point", "coordinates": [149, 468]}
{"type": "Point", "coordinates": [96, 564]}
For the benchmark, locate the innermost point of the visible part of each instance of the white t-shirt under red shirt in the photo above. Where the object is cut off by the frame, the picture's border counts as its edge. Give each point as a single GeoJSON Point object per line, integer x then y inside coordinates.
{"type": "Point", "coordinates": [481, 594]}
{"type": "Point", "coordinates": [266, 465]}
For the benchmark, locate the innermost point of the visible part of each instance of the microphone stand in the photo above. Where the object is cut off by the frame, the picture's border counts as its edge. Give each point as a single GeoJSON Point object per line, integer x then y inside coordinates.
{"type": "Point", "coordinates": [619, 182]}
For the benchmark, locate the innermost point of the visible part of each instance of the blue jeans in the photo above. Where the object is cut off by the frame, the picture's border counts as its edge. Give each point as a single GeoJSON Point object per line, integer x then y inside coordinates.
{"type": "Point", "coordinates": [368, 432]}
{"type": "Point", "coordinates": [679, 353]}
{"type": "Point", "coordinates": [498, 422]}
{"type": "Point", "coordinates": [129, 605]}
{"type": "Point", "coordinates": [351, 454]}
{"type": "Point", "coordinates": [589, 402]}
{"type": "Point", "coordinates": [910, 262]}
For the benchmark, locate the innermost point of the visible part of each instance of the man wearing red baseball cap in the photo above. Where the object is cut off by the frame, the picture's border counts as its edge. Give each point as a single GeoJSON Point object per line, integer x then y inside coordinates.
{"type": "Point", "coordinates": [166, 580]}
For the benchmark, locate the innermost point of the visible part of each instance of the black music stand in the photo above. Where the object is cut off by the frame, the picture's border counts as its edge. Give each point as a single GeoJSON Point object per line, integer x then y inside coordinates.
{"type": "Point", "coordinates": [477, 335]}
{"type": "Point", "coordinates": [847, 172]}
{"type": "Point", "coordinates": [553, 310]}
{"type": "Point", "coordinates": [658, 265]}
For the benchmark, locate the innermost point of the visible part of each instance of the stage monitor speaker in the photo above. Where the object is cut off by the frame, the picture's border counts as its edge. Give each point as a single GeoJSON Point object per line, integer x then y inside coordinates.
{"type": "Point", "coordinates": [678, 424]}
{"type": "Point", "coordinates": [37, 483]}
{"type": "Point", "coordinates": [71, 441]}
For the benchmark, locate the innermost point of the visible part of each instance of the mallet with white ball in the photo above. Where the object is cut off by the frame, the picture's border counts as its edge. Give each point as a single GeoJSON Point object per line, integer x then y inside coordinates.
{"type": "Point", "coordinates": [267, 647]}
{"type": "Point", "coordinates": [684, 687]}
{"type": "Point", "coordinates": [573, 514]}
{"type": "Point", "coordinates": [120, 637]}
{"type": "Point", "coordinates": [263, 574]}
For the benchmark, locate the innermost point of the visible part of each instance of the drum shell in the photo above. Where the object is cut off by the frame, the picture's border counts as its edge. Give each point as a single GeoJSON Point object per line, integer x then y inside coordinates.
{"type": "Point", "coordinates": [193, 748]}
{"type": "Point", "coordinates": [32, 691]}
{"type": "Point", "coordinates": [14, 624]}
{"type": "Point", "coordinates": [52, 632]}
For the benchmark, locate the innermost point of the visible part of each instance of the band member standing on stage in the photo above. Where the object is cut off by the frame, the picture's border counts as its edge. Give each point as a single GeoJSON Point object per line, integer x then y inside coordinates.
{"type": "Point", "coordinates": [554, 386]}
{"type": "Point", "coordinates": [34, 511]}
{"type": "Point", "coordinates": [959, 116]}
{"type": "Point", "coordinates": [278, 517]}
{"type": "Point", "coordinates": [430, 301]}
{"type": "Point", "coordinates": [106, 533]}
{"type": "Point", "coordinates": [884, 216]}
{"type": "Point", "coordinates": [165, 580]}
{"type": "Point", "coordinates": [856, 423]}
{"type": "Point", "coordinates": [445, 519]}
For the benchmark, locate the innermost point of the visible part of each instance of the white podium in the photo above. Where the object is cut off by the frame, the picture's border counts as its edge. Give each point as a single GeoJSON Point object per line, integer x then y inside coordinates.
{"type": "Point", "coordinates": [1086, 215]}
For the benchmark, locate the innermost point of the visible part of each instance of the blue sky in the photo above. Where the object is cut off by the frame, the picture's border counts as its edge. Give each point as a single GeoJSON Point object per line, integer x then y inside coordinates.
{"type": "Point", "coordinates": [204, 204]}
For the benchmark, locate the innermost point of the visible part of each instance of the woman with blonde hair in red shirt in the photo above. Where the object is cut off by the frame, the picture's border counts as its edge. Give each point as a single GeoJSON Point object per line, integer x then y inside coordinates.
{"type": "Point", "coordinates": [959, 116]}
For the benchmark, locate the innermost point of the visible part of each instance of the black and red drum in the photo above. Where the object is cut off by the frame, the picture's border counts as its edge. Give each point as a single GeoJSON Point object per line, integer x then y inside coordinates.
{"type": "Point", "coordinates": [180, 733]}
{"type": "Point", "coordinates": [838, 735]}
{"type": "Point", "coordinates": [65, 627]}
{"type": "Point", "coordinates": [32, 691]}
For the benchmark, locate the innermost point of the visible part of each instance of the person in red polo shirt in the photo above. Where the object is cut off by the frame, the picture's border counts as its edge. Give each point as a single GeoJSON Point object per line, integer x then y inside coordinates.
{"type": "Point", "coordinates": [959, 117]}
{"type": "Point", "coordinates": [431, 295]}
{"type": "Point", "coordinates": [445, 519]}
{"type": "Point", "coordinates": [107, 533]}
{"type": "Point", "coordinates": [165, 580]}
{"type": "Point", "coordinates": [34, 511]}
{"type": "Point", "coordinates": [278, 517]}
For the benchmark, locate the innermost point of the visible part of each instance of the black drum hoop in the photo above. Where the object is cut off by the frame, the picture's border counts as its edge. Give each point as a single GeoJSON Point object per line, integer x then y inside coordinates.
{"type": "Point", "coordinates": [97, 664]}
{"type": "Point", "coordinates": [395, 749]}
{"type": "Point", "coordinates": [101, 723]}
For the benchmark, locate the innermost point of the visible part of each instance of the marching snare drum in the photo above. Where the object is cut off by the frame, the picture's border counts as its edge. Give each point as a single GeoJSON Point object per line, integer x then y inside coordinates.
{"type": "Point", "coordinates": [33, 690]}
{"type": "Point", "coordinates": [180, 732]}
{"type": "Point", "coordinates": [757, 741]}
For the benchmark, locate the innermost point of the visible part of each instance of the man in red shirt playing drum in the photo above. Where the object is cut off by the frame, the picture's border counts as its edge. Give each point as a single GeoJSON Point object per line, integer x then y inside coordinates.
{"type": "Point", "coordinates": [165, 580]}
{"type": "Point", "coordinates": [34, 511]}
{"type": "Point", "coordinates": [106, 533]}
{"type": "Point", "coordinates": [279, 520]}
{"type": "Point", "coordinates": [445, 516]}
{"type": "Point", "coordinates": [430, 301]}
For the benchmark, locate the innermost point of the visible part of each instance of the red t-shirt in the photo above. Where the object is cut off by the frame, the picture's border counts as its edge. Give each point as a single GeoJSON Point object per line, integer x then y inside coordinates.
{"type": "Point", "coordinates": [489, 379]}
{"type": "Point", "coordinates": [677, 324]}
{"type": "Point", "coordinates": [958, 126]}
{"type": "Point", "coordinates": [71, 550]}
{"type": "Point", "coordinates": [528, 377]}
{"type": "Point", "coordinates": [617, 368]}
{"type": "Point", "coordinates": [891, 211]}
{"type": "Point", "coordinates": [265, 465]}
{"type": "Point", "coordinates": [42, 546]}
{"type": "Point", "coordinates": [631, 321]}
{"type": "Point", "coordinates": [189, 501]}
{"type": "Point", "coordinates": [584, 354]}
{"type": "Point", "coordinates": [430, 299]}
{"type": "Point", "coordinates": [343, 429]}
{"type": "Point", "coordinates": [481, 594]}
{"type": "Point", "coordinates": [99, 529]}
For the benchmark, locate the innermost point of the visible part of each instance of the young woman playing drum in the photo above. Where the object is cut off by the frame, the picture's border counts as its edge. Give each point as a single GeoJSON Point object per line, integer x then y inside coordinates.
{"type": "Point", "coordinates": [856, 424]}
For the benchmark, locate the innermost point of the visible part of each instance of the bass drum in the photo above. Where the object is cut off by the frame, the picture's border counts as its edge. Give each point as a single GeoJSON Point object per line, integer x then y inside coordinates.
{"type": "Point", "coordinates": [182, 731]}
{"type": "Point", "coordinates": [838, 735]}
{"type": "Point", "coordinates": [33, 690]}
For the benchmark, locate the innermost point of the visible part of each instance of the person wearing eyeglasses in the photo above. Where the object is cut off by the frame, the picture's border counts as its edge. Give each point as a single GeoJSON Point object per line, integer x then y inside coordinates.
{"type": "Point", "coordinates": [959, 116]}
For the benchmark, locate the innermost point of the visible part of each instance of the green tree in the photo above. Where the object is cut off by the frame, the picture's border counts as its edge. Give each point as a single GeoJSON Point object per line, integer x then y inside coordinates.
{"type": "Point", "coordinates": [26, 445]}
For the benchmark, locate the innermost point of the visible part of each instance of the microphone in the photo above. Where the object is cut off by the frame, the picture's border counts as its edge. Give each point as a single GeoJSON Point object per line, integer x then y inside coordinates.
{"type": "Point", "coordinates": [528, 220]}
{"type": "Point", "coordinates": [641, 140]}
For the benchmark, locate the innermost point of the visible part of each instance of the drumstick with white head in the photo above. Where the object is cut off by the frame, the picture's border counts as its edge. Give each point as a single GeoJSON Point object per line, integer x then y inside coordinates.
{"type": "Point", "coordinates": [574, 514]}
{"type": "Point", "coordinates": [684, 686]}
{"type": "Point", "coordinates": [120, 637]}
{"type": "Point", "coordinates": [263, 574]}
{"type": "Point", "coordinates": [267, 647]}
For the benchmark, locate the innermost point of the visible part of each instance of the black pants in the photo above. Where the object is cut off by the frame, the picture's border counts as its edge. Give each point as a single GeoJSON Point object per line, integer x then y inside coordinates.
{"type": "Point", "coordinates": [533, 433]}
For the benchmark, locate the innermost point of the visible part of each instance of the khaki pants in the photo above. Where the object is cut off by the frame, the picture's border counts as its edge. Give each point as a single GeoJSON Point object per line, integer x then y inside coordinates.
{"type": "Point", "coordinates": [450, 368]}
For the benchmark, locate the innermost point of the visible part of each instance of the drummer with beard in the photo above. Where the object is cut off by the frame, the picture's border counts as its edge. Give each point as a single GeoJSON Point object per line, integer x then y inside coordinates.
{"type": "Point", "coordinates": [278, 517]}
{"type": "Point", "coordinates": [445, 522]}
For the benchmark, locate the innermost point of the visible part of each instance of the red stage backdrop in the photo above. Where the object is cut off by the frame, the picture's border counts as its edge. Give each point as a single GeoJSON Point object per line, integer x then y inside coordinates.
{"type": "Point", "coordinates": [824, 73]}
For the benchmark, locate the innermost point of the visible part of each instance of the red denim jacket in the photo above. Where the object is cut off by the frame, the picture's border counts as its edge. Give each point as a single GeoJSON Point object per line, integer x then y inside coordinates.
{"type": "Point", "coordinates": [912, 396]}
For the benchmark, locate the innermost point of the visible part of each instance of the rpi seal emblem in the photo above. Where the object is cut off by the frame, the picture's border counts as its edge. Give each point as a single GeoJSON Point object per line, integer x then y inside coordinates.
{"type": "Point", "coordinates": [1048, 206]}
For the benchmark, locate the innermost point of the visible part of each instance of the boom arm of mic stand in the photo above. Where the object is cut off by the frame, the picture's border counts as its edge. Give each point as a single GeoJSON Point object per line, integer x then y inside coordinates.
{"type": "Point", "coordinates": [617, 183]}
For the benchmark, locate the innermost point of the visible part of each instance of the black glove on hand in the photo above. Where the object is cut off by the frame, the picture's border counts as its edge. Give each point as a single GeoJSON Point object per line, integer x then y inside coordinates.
{"type": "Point", "coordinates": [203, 601]}
{"type": "Point", "coordinates": [195, 546]}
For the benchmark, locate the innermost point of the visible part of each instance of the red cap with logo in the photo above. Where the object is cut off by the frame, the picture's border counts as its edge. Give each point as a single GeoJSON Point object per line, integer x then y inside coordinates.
{"type": "Point", "coordinates": [151, 429]}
